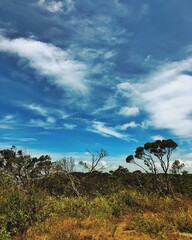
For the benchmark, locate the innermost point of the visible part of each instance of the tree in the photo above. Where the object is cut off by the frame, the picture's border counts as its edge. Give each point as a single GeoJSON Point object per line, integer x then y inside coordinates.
{"type": "Point", "coordinates": [120, 171]}
{"type": "Point", "coordinates": [176, 167]}
{"type": "Point", "coordinates": [153, 152]}
{"type": "Point", "coordinates": [66, 166]}
{"type": "Point", "coordinates": [96, 163]}
{"type": "Point", "coordinates": [22, 166]}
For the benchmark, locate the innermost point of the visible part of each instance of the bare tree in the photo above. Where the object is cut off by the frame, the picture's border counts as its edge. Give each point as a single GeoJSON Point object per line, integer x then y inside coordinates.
{"type": "Point", "coordinates": [67, 166]}
{"type": "Point", "coordinates": [64, 165]}
{"type": "Point", "coordinates": [96, 161]}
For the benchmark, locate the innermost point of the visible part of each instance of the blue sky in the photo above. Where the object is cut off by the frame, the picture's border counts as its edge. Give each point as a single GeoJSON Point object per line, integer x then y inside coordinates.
{"type": "Point", "coordinates": [79, 75]}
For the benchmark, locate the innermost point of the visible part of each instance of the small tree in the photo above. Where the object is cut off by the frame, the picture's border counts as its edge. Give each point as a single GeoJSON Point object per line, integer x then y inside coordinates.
{"type": "Point", "coordinates": [153, 152]}
{"type": "Point", "coordinates": [176, 167]}
{"type": "Point", "coordinates": [66, 165]}
{"type": "Point", "coordinates": [96, 160]}
{"type": "Point", "coordinates": [120, 171]}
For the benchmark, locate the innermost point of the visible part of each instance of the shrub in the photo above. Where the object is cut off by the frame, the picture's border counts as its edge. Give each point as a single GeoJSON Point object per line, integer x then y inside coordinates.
{"type": "Point", "coordinates": [20, 209]}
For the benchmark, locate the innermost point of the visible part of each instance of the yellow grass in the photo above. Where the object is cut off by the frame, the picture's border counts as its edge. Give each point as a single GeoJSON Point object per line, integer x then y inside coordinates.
{"type": "Point", "coordinates": [148, 218]}
{"type": "Point", "coordinates": [62, 228]}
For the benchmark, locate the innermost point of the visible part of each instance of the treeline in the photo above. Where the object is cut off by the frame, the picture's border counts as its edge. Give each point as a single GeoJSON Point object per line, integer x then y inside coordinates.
{"type": "Point", "coordinates": [60, 177]}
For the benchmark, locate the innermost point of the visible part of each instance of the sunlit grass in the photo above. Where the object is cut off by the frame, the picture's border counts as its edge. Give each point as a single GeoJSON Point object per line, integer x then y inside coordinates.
{"type": "Point", "coordinates": [126, 215]}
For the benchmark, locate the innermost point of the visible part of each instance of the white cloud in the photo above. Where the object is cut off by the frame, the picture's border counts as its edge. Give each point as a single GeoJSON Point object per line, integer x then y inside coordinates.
{"type": "Point", "coordinates": [51, 120]}
{"type": "Point", "coordinates": [69, 126]}
{"type": "Point", "coordinates": [126, 89]}
{"type": "Point", "coordinates": [46, 112]}
{"type": "Point", "coordinates": [188, 164]}
{"type": "Point", "coordinates": [20, 139]}
{"type": "Point", "coordinates": [7, 122]}
{"type": "Point", "coordinates": [100, 128]}
{"type": "Point", "coordinates": [57, 6]}
{"type": "Point", "coordinates": [157, 137]}
{"type": "Point", "coordinates": [100, 28]}
{"type": "Point", "coordinates": [129, 111]}
{"type": "Point", "coordinates": [8, 117]}
{"type": "Point", "coordinates": [166, 96]}
{"type": "Point", "coordinates": [127, 125]}
{"type": "Point", "coordinates": [41, 2]}
{"type": "Point", "coordinates": [145, 124]}
{"type": "Point", "coordinates": [103, 164]}
{"type": "Point", "coordinates": [49, 123]}
{"type": "Point", "coordinates": [5, 126]}
{"type": "Point", "coordinates": [109, 104]}
{"type": "Point", "coordinates": [49, 61]}
{"type": "Point", "coordinates": [38, 123]}
{"type": "Point", "coordinates": [40, 110]}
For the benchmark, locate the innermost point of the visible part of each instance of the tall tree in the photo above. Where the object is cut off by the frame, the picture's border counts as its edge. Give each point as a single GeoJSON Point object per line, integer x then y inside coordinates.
{"type": "Point", "coordinates": [152, 152]}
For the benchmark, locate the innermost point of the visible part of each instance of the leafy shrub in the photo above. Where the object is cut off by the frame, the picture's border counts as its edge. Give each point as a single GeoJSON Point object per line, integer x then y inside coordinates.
{"type": "Point", "coordinates": [20, 209]}
{"type": "Point", "coordinates": [4, 234]}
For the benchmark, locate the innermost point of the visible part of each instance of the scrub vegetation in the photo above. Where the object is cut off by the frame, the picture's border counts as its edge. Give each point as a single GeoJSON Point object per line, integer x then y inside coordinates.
{"type": "Point", "coordinates": [41, 199]}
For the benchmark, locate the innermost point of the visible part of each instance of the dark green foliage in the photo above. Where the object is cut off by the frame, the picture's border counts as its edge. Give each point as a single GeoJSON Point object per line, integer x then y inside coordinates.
{"type": "Point", "coordinates": [120, 171]}
{"type": "Point", "coordinates": [19, 207]}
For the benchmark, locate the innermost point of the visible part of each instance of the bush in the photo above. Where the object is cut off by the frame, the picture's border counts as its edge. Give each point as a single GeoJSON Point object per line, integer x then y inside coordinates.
{"type": "Point", "coordinates": [20, 209]}
{"type": "Point", "coordinates": [4, 235]}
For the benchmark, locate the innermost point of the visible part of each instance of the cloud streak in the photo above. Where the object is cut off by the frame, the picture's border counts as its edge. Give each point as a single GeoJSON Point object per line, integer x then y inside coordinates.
{"type": "Point", "coordinates": [7, 122]}
{"type": "Point", "coordinates": [100, 128]}
{"type": "Point", "coordinates": [49, 61]}
{"type": "Point", "coordinates": [36, 108]}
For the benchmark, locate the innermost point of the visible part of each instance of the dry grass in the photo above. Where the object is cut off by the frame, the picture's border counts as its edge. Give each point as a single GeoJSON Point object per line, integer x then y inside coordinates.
{"type": "Point", "coordinates": [144, 218]}
{"type": "Point", "coordinates": [90, 229]}
{"type": "Point", "coordinates": [63, 228]}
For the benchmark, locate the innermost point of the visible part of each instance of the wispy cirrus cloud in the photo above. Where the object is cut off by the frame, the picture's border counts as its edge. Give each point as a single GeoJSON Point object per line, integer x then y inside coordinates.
{"type": "Point", "coordinates": [69, 126]}
{"type": "Point", "coordinates": [169, 101]}
{"type": "Point", "coordinates": [7, 122]}
{"type": "Point", "coordinates": [14, 139]}
{"type": "Point", "coordinates": [50, 115]}
{"type": "Point", "coordinates": [166, 96]}
{"type": "Point", "coordinates": [49, 61]}
{"type": "Point", "coordinates": [102, 129]}
{"type": "Point", "coordinates": [43, 123]}
{"type": "Point", "coordinates": [5, 126]}
{"type": "Point", "coordinates": [36, 108]}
